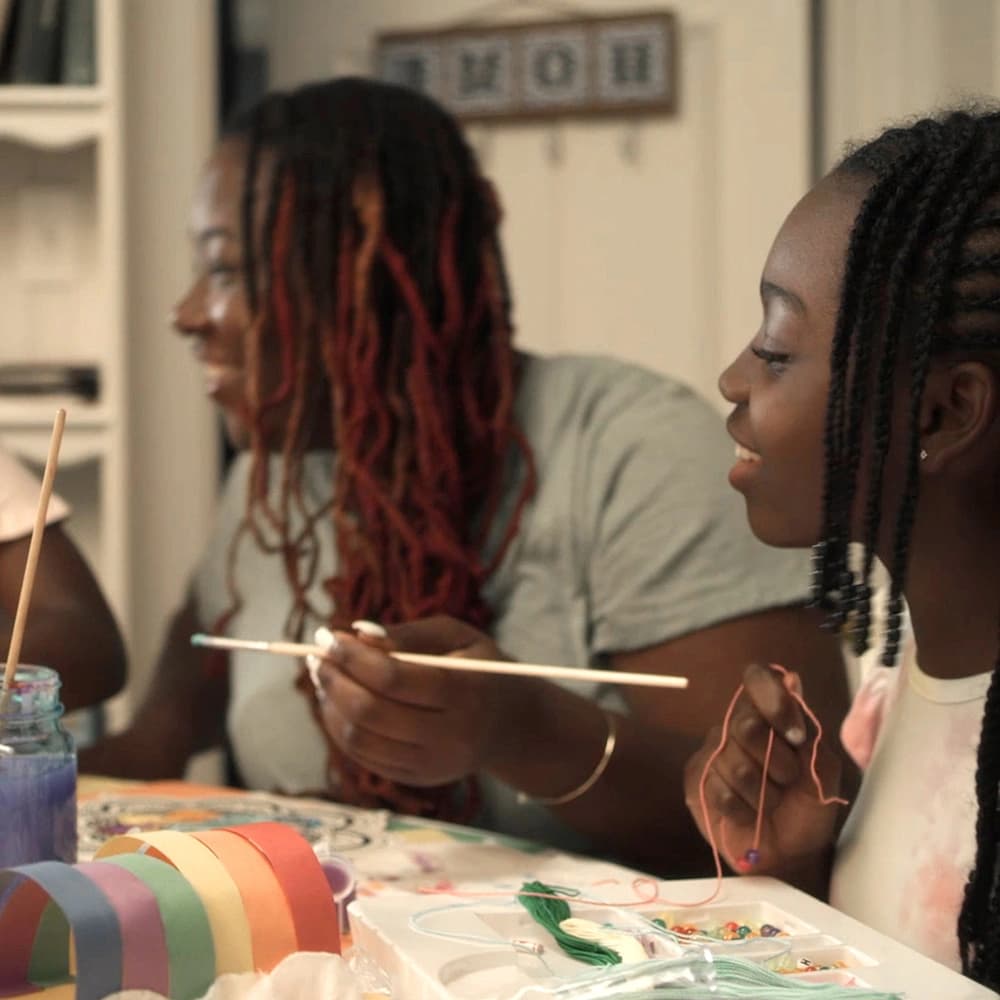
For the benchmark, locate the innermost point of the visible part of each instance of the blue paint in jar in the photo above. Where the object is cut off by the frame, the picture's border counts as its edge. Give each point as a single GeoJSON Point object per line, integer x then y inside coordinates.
{"type": "Point", "coordinates": [37, 773]}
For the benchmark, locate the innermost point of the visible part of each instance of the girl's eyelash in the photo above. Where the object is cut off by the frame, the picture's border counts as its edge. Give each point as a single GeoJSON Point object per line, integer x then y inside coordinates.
{"type": "Point", "coordinates": [775, 358]}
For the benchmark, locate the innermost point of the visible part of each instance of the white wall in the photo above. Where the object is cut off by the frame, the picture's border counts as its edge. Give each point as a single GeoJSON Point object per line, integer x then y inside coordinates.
{"type": "Point", "coordinates": [170, 126]}
{"type": "Point", "coordinates": [888, 60]}
{"type": "Point", "coordinates": [638, 237]}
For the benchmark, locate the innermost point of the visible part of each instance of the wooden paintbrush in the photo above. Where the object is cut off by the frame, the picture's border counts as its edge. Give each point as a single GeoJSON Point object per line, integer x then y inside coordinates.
{"type": "Point", "coordinates": [509, 667]}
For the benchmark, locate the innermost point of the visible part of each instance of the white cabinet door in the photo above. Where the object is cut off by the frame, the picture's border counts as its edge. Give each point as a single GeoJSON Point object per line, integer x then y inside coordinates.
{"type": "Point", "coordinates": [637, 237]}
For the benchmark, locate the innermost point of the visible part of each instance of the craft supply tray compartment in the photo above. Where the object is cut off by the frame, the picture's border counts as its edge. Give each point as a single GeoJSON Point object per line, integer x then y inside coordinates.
{"type": "Point", "coordinates": [716, 915]}
{"type": "Point", "coordinates": [798, 940]}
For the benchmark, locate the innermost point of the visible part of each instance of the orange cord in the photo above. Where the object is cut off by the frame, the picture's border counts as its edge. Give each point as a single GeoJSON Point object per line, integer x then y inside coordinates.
{"type": "Point", "coordinates": [640, 883]}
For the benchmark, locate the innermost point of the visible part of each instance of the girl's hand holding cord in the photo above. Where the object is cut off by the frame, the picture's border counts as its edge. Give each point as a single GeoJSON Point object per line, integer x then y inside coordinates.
{"type": "Point", "coordinates": [779, 826]}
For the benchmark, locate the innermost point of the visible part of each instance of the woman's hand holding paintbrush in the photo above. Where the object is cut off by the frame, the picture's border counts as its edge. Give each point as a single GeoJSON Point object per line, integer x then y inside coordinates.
{"type": "Point", "coordinates": [428, 718]}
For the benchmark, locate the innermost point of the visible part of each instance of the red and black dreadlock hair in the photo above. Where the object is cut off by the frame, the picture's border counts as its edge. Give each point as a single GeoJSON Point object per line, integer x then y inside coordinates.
{"type": "Point", "coordinates": [922, 279]}
{"type": "Point", "coordinates": [374, 272]}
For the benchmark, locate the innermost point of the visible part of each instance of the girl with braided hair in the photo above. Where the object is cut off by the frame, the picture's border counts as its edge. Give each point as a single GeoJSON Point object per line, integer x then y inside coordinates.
{"type": "Point", "coordinates": [401, 461]}
{"type": "Point", "coordinates": [867, 410]}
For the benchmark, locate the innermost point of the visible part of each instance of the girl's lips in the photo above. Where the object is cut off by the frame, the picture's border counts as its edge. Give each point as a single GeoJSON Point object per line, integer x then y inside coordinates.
{"type": "Point", "coordinates": [745, 468]}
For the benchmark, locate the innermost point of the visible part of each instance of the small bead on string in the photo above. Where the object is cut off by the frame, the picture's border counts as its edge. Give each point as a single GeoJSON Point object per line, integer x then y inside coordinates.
{"type": "Point", "coordinates": [751, 857]}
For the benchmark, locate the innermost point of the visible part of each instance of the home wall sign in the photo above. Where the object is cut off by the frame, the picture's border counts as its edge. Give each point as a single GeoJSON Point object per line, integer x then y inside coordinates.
{"type": "Point", "coordinates": [626, 64]}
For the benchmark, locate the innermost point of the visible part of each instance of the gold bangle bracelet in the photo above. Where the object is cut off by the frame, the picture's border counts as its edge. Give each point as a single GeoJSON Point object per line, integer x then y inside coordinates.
{"type": "Point", "coordinates": [593, 777]}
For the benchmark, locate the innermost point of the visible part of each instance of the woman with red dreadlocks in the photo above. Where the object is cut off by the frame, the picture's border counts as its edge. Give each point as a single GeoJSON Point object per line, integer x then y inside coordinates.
{"type": "Point", "coordinates": [401, 462]}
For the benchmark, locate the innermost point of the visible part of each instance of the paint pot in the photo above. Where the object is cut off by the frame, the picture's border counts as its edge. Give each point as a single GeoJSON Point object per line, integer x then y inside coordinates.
{"type": "Point", "coordinates": [341, 878]}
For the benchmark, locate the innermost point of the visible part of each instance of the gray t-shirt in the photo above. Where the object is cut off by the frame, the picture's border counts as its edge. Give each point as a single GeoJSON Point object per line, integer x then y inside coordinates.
{"type": "Point", "coordinates": [634, 537]}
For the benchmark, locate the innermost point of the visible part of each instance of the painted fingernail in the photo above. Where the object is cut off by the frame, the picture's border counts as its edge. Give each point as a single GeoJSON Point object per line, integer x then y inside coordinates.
{"type": "Point", "coordinates": [325, 638]}
{"type": "Point", "coordinates": [796, 736]}
{"type": "Point", "coordinates": [313, 663]}
{"type": "Point", "coordinates": [372, 629]}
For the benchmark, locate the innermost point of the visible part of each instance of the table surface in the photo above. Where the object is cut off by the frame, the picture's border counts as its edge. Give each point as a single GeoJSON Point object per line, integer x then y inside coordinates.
{"type": "Point", "coordinates": [401, 855]}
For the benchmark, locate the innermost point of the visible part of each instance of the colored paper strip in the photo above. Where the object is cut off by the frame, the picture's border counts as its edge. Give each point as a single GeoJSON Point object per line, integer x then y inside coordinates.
{"type": "Point", "coordinates": [22, 903]}
{"type": "Point", "coordinates": [145, 962]}
{"type": "Point", "coordinates": [91, 917]}
{"type": "Point", "coordinates": [271, 928]}
{"type": "Point", "coordinates": [185, 923]}
{"type": "Point", "coordinates": [51, 952]}
{"type": "Point", "coordinates": [306, 889]}
{"type": "Point", "coordinates": [213, 883]}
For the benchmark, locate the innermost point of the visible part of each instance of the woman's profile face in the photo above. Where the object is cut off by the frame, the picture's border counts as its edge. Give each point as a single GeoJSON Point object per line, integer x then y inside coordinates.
{"type": "Point", "coordinates": [214, 312]}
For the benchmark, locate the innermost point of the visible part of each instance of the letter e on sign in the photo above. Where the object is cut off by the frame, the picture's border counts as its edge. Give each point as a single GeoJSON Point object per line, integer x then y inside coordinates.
{"type": "Point", "coordinates": [416, 65]}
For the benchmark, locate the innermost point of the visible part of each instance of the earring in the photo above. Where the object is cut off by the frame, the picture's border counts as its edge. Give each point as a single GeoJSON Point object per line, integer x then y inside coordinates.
{"type": "Point", "coordinates": [923, 454]}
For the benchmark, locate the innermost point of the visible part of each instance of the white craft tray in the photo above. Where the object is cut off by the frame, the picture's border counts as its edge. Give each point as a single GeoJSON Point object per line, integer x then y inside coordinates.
{"type": "Point", "coordinates": [426, 967]}
{"type": "Point", "coordinates": [422, 964]}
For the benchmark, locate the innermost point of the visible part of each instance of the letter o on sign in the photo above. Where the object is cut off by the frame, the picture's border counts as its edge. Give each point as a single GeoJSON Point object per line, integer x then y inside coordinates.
{"type": "Point", "coordinates": [555, 66]}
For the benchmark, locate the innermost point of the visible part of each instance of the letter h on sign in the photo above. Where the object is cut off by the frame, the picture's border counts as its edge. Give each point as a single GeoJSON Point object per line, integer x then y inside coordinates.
{"type": "Point", "coordinates": [591, 66]}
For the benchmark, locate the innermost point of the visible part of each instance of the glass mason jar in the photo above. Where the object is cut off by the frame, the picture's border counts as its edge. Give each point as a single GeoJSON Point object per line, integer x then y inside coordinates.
{"type": "Point", "coordinates": [37, 773]}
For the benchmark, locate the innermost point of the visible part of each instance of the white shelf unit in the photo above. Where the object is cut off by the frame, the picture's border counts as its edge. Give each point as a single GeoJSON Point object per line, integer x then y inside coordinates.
{"type": "Point", "coordinates": [62, 284]}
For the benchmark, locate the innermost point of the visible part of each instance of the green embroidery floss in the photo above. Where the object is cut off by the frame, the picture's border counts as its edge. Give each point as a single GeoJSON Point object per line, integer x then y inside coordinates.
{"type": "Point", "coordinates": [548, 913]}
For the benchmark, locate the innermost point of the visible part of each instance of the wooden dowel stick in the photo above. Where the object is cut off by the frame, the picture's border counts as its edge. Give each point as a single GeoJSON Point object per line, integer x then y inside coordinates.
{"type": "Point", "coordinates": [458, 663]}
{"type": "Point", "coordinates": [31, 565]}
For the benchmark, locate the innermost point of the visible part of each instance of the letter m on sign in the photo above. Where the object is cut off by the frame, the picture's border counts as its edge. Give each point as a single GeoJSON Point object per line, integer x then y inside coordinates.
{"type": "Point", "coordinates": [479, 74]}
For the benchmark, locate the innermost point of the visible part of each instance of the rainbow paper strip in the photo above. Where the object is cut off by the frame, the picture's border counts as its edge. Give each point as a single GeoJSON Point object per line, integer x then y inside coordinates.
{"type": "Point", "coordinates": [145, 957]}
{"type": "Point", "coordinates": [95, 924]}
{"type": "Point", "coordinates": [271, 928]}
{"type": "Point", "coordinates": [212, 882]}
{"type": "Point", "coordinates": [164, 911]}
{"type": "Point", "coordinates": [187, 933]}
{"type": "Point", "coordinates": [314, 915]}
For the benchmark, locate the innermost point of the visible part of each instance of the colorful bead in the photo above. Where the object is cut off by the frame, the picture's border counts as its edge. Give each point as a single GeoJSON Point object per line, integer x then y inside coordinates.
{"type": "Point", "coordinates": [731, 930]}
{"type": "Point", "coordinates": [753, 856]}
{"type": "Point", "coordinates": [808, 965]}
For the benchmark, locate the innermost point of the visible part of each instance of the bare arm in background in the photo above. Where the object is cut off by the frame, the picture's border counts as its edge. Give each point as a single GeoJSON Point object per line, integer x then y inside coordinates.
{"type": "Point", "coordinates": [183, 713]}
{"type": "Point", "coordinates": [69, 625]}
